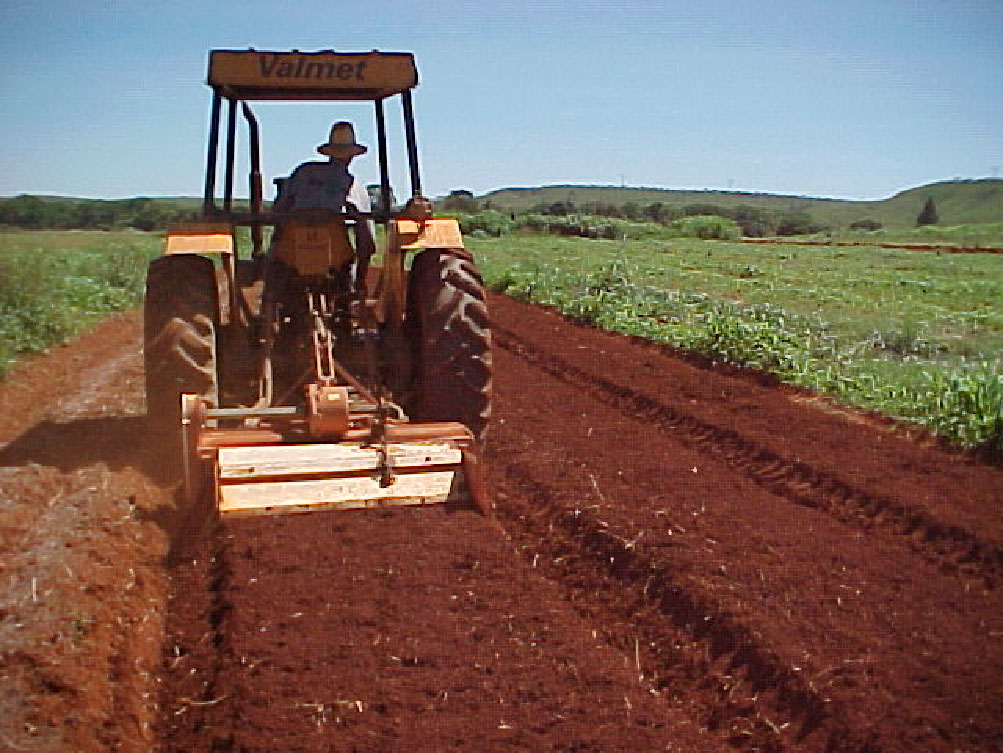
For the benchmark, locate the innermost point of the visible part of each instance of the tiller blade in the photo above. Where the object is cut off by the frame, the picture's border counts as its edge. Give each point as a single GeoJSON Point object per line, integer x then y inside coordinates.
{"type": "Point", "coordinates": [284, 460]}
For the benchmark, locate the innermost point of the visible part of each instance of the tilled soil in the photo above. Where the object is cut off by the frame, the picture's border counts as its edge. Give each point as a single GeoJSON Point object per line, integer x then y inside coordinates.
{"type": "Point", "coordinates": [686, 557]}
{"type": "Point", "coordinates": [802, 578]}
{"type": "Point", "coordinates": [85, 505]}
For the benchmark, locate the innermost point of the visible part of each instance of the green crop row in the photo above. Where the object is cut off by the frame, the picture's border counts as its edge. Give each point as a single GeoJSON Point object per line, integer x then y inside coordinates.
{"type": "Point", "coordinates": [54, 285]}
{"type": "Point", "coordinates": [910, 370]}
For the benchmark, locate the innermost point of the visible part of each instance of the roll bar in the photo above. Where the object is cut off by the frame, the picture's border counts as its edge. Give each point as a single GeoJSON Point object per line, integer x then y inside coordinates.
{"type": "Point", "coordinates": [234, 78]}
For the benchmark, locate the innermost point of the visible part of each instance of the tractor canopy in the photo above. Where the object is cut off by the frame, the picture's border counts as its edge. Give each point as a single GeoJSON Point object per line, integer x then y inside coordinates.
{"type": "Point", "coordinates": [238, 77]}
{"type": "Point", "coordinates": [325, 75]}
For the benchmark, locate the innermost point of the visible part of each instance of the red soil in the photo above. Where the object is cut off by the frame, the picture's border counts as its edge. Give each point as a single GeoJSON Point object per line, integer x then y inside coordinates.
{"type": "Point", "coordinates": [82, 580]}
{"type": "Point", "coordinates": [692, 559]}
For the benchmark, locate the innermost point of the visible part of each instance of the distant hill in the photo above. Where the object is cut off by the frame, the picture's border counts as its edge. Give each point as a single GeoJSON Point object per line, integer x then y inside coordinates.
{"type": "Point", "coordinates": [958, 202]}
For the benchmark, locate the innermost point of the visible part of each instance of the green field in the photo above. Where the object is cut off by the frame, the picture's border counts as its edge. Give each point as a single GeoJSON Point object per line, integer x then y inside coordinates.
{"type": "Point", "coordinates": [914, 335]}
{"type": "Point", "coordinates": [54, 285]}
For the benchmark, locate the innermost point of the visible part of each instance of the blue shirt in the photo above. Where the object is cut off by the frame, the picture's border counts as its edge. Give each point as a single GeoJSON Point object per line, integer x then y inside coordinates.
{"type": "Point", "coordinates": [323, 185]}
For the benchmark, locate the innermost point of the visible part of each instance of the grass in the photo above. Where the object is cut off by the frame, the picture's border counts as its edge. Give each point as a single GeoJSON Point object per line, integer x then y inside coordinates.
{"type": "Point", "coordinates": [56, 284]}
{"type": "Point", "coordinates": [984, 235]}
{"type": "Point", "coordinates": [914, 335]}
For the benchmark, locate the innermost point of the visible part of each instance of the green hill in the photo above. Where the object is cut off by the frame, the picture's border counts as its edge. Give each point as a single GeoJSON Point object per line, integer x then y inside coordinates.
{"type": "Point", "coordinates": [958, 202]}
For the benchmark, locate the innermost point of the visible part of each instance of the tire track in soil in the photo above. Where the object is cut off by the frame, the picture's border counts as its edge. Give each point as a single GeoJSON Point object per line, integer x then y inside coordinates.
{"type": "Point", "coordinates": [692, 649]}
{"type": "Point", "coordinates": [949, 546]}
{"type": "Point", "coordinates": [743, 595]}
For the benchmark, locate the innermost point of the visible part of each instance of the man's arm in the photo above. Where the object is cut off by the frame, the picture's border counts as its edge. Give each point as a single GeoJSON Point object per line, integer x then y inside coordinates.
{"type": "Point", "coordinates": [365, 243]}
{"type": "Point", "coordinates": [365, 247]}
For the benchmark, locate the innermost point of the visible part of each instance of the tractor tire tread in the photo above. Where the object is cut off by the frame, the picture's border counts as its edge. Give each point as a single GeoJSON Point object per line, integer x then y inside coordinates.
{"type": "Point", "coordinates": [180, 321]}
{"type": "Point", "coordinates": [450, 328]}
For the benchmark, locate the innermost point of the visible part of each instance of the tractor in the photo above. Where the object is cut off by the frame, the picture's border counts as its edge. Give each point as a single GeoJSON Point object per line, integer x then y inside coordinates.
{"type": "Point", "coordinates": [298, 377]}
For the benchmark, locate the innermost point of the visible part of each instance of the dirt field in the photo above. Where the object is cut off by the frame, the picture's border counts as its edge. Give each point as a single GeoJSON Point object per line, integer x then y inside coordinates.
{"type": "Point", "coordinates": [686, 558]}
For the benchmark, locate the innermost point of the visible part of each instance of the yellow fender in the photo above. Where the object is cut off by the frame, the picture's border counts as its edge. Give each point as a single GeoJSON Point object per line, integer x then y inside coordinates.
{"type": "Point", "coordinates": [200, 238]}
{"type": "Point", "coordinates": [403, 236]}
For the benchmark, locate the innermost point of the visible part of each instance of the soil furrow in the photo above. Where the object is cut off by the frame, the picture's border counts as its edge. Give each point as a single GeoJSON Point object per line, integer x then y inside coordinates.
{"type": "Point", "coordinates": [687, 645]}
{"type": "Point", "coordinates": [940, 543]}
{"type": "Point", "coordinates": [407, 630]}
{"type": "Point", "coordinates": [894, 643]}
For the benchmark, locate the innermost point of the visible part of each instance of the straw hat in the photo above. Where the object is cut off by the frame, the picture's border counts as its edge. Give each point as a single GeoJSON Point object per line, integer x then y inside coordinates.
{"type": "Point", "coordinates": [341, 142]}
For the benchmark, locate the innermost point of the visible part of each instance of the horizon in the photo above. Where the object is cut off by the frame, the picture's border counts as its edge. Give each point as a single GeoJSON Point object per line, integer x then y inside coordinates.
{"type": "Point", "coordinates": [854, 103]}
{"type": "Point", "coordinates": [731, 192]}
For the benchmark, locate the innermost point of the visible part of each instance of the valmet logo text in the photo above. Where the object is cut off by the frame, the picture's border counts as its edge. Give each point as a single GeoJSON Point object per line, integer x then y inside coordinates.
{"type": "Point", "coordinates": [272, 66]}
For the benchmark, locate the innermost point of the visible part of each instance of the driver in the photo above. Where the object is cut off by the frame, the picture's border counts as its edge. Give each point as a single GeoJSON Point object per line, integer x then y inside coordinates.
{"type": "Point", "coordinates": [329, 186]}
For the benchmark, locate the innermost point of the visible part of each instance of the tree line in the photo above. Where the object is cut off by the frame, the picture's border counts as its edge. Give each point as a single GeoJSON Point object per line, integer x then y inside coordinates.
{"type": "Point", "coordinates": [753, 221]}
{"type": "Point", "coordinates": [37, 213]}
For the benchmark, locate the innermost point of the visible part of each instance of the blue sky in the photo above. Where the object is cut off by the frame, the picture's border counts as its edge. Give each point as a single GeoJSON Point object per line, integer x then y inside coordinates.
{"type": "Point", "coordinates": [852, 99]}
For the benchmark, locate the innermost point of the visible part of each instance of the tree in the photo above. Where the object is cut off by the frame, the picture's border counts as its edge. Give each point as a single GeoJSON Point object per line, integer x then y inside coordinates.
{"type": "Point", "coordinates": [151, 215]}
{"type": "Point", "coordinates": [25, 211]}
{"type": "Point", "coordinates": [754, 221]}
{"type": "Point", "coordinates": [461, 200]}
{"type": "Point", "coordinates": [928, 215]}
{"type": "Point", "coordinates": [691, 210]}
{"type": "Point", "coordinates": [655, 211]}
{"type": "Point", "coordinates": [95, 214]}
{"type": "Point", "coordinates": [865, 224]}
{"type": "Point", "coordinates": [795, 222]}
{"type": "Point", "coordinates": [560, 208]}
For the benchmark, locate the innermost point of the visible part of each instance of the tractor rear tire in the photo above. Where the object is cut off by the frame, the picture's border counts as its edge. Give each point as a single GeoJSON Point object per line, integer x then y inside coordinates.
{"type": "Point", "coordinates": [181, 316]}
{"type": "Point", "coordinates": [448, 326]}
